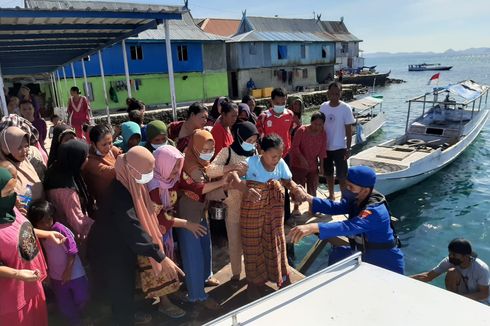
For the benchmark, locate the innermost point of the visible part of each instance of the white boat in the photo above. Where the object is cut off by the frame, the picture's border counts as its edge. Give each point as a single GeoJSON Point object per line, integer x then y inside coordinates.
{"type": "Point", "coordinates": [432, 141]}
{"type": "Point", "coordinates": [352, 292]}
{"type": "Point", "coordinates": [369, 116]}
{"type": "Point", "coordinates": [428, 66]}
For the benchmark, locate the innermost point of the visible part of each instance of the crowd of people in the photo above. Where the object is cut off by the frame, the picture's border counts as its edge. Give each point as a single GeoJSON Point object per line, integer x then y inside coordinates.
{"type": "Point", "coordinates": [101, 214]}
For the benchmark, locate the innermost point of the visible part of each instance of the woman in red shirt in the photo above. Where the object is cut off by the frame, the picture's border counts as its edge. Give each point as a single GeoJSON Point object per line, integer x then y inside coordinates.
{"type": "Point", "coordinates": [222, 128]}
{"type": "Point", "coordinates": [307, 153]}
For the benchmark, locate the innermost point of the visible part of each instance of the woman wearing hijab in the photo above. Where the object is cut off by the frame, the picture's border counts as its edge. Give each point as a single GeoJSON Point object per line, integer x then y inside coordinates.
{"type": "Point", "coordinates": [14, 146]}
{"type": "Point", "coordinates": [197, 189]}
{"type": "Point", "coordinates": [234, 158]}
{"type": "Point", "coordinates": [66, 189]}
{"type": "Point", "coordinates": [61, 134]}
{"type": "Point", "coordinates": [244, 114]}
{"type": "Point", "coordinates": [131, 136]}
{"type": "Point", "coordinates": [99, 171]}
{"type": "Point", "coordinates": [22, 268]}
{"type": "Point", "coordinates": [163, 192]}
{"type": "Point", "coordinates": [27, 111]}
{"type": "Point", "coordinates": [156, 135]}
{"type": "Point", "coordinates": [127, 227]}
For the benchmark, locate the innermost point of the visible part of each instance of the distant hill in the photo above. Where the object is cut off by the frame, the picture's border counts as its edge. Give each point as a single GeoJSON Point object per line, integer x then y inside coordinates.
{"type": "Point", "coordinates": [472, 51]}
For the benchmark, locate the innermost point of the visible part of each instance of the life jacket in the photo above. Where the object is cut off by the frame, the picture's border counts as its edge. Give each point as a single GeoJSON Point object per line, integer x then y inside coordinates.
{"type": "Point", "coordinates": [360, 242]}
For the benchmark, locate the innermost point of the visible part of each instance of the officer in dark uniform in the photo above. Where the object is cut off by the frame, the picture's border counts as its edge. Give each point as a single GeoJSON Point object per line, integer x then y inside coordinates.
{"type": "Point", "coordinates": [368, 226]}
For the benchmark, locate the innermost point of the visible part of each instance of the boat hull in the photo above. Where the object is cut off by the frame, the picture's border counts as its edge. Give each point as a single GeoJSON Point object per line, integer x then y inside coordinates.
{"type": "Point", "coordinates": [369, 129]}
{"type": "Point", "coordinates": [389, 183]}
{"type": "Point", "coordinates": [366, 80]}
{"type": "Point", "coordinates": [441, 68]}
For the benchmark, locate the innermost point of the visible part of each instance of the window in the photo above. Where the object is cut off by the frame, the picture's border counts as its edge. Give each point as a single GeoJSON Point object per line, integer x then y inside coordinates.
{"type": "Point", "coordinates": [136, 52]}
{"type": "Point", "coordinates": [324, 52]}
{"type": "Point", "coordinates": [305, 73]}
{"type": "Point", "coordinates": [345, 47]}
{"type": "Point", "coordinates": [282, 52]}
{"type": "Point", "coordinates": [252, 49]}
{"type": "Point", "coordinates": [182, 53]}
{"type": "Point", "coordinates": [303, 51]}
{"type": "Point", "coordinates": [87, 58]}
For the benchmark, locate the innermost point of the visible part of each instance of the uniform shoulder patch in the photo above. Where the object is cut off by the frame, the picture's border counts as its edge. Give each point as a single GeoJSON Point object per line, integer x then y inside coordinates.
{"type": "Point", "coordinates": [365, 213]}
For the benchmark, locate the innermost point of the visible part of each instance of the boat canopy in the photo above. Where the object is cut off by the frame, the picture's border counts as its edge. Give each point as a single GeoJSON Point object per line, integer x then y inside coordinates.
{"type": "Point", "coordinates": [365, 103]}
{"type": "Point", "coordinates": [50, 34]}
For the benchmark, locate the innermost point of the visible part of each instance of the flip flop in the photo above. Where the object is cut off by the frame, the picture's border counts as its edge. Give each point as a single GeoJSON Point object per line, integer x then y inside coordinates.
{"type": "Point", "coordinates": [172, 311]}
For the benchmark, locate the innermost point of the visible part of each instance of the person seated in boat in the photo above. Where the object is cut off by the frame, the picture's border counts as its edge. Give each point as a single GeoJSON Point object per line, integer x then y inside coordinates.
{"type": "Point", "coordinates": [368, 226]}
{"type": "Point", "coordinates": [466, 274]}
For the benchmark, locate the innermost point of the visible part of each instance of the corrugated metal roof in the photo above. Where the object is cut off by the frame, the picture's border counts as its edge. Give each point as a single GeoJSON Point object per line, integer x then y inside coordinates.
{"type": "Point", "coordinates": [49, 34]}
{"type": "Point", "coordinates": [223, 27]}
{"type": "Point", "coordinates": [267, 29]}
{"type": "Point", "coordinates": [98, 6]}
{"type": "Point", "coordinates": [184, 30]}
{"type": "Point", "coordinates": [339, 31]}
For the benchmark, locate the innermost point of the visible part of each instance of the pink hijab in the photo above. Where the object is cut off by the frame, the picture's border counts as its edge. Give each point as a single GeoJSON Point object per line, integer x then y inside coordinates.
{"type": "Point", "coordinates": [166, 158]}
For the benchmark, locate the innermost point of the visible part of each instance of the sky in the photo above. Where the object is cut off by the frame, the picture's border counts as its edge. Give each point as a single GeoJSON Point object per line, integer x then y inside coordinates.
{"type": "Point", "coordinates": [383, 25]}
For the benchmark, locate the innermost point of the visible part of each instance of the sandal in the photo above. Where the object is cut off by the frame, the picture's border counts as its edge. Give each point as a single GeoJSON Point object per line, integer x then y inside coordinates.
{"type": "Point", "coordinates": [212, 282]}
{"type": "Point", "coordinates": [211, 304]}
{"type": "Point", "coordinates": [171, 310]}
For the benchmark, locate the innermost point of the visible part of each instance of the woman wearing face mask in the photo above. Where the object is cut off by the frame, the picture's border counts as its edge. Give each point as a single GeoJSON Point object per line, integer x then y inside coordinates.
{"type": "Point", "coordinates": [127, 227]}
{"type": "Point", "coordinates": [222, 128]}
{"type": "Point", "coordinates": [163, 192]}
{"type": "Point", "coordinates": [99, 171]}
{"type": "Point", "coordinates": [196, 252]}
{"type": "Point", "coordinates": [181, 131]}
{"type": "Point", "coordinates": [14, 145]}
{"type": "Point", "coordinates": [61, 134]}
{"type": "Point", "coordinates": [66, 189]}
{"type": "Point", "coordinates": [234, 158]}
{"type": "Point", "coordinates": [156, 135]}
{"type": "Point", "coordinates": [22, 268]}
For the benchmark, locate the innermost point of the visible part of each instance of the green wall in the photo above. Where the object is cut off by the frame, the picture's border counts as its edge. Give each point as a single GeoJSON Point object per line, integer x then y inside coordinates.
{"type": "Point", "coordinates": [154, 88]}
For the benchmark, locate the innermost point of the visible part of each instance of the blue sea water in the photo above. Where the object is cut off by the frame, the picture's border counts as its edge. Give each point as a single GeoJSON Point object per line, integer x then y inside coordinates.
{"type": "Point", "coordinates": [453, 203]}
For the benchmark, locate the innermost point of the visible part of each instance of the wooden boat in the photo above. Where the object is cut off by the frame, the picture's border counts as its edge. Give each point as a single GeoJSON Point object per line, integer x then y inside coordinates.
{"type": "Point", "coordinates": [366, 78]}
{"type": "Point", "coordinates": [382, 297]}
{"type": "Point", "coordinates": [432, 141]}
{"type": "Point", "coordinates": [370, 117]}
{"type": "Point", "coordinates": [428, 66]}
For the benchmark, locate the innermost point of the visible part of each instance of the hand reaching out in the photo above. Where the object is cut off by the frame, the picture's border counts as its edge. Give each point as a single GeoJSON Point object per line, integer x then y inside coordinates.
{"type": "Point", "coordinates": [171, 270]}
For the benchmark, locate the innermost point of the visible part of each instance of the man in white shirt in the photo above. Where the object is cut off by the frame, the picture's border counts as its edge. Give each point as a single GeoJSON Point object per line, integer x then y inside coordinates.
{"type": "Point", "coordinates": [465, 274]}
{"type": "Point", "coordinates": [338, 127]}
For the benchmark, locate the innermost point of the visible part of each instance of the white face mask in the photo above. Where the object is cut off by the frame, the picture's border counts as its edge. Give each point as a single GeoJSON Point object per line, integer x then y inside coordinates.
{"type": "Point", "coordinates": [157, 146]}
{"type": "Point", "coordinates": [206, 156]}
{"type": "Point", "coordinates": [145, 178]}
{"type": "Point", "coordinates": [279, 109]}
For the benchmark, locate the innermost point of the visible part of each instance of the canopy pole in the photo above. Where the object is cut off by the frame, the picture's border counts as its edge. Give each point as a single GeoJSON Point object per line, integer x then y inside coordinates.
{"type": "Point", "coordinates": [170, 70]}
{"type": "Point", "coordinates": [85, 81]}
{"type": "Point", "coordinates": [62, 100]}
{"type": "Point", "coordinates": [73, 74]}
{"type": "Point", "coordinates": [101, 64]}
{"type": "Point", "coordinates": [126, 68]}
{"type": "Point", "coordinates": [53, 92]}
{"type": "Point", "coordinates": [2, 96]}
{"type": "Point", "coordinates": [66, 82]}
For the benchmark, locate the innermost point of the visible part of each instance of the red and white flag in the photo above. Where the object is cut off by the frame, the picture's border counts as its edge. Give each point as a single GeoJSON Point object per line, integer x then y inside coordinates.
{"type": "Point", "coordinates": [435, 77]}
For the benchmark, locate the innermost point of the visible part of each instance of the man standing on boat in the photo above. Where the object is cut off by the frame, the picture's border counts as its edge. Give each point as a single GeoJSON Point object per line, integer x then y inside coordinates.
{"type": "Point", "coordinates": [368, 226]}
{"type": "Point", "coordinates": [338, 127]}
{"type": "Point", "coordinates": [465, 273]}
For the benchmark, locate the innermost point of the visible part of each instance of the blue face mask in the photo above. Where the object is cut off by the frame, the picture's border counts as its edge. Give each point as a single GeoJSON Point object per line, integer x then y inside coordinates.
{"type": "Point", "coordinates": [206, 156]}
{"type": "Point", "coordinates": [349, 196]}
{"type": "Point", "coordinates": [279, 109]}
{"type": "Point", "coordinates": [247, 147]}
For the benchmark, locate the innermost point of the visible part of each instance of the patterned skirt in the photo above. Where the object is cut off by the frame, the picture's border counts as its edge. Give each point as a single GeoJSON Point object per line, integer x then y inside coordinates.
{"type": "Point", "coordinates": [263, 239]}
{"type": "Point", "coordinates": [154, 286]}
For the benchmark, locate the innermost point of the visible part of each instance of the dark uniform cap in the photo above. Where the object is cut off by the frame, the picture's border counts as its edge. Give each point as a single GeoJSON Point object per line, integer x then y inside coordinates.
{"type": "Point", "coordinates": [362, 176]}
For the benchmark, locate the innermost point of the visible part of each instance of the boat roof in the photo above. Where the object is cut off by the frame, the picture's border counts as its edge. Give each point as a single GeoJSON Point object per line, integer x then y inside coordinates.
{"type": "Point", "coordinates": [353, 293]}
{"type": "Point", "coordinates": [48, 34]}
{"type": "Point", "coordinates": [365, 103]}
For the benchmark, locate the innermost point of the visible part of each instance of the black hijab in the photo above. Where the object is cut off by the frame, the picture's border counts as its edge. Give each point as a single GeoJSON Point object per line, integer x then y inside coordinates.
{"type": "Point", "coordinates": [58, 132]}
{"type": "Point", "coordinates": [241, 132]}
{"type": "Point", "coordinates": [65, 172]}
